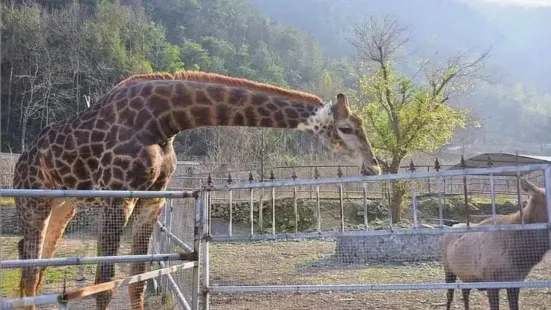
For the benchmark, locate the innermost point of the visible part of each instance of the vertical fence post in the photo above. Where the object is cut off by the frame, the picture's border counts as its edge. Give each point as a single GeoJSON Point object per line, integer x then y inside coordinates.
{"type": "Point", "coordinates": [490, 164]}
{"type": "Point", "coordinates": [197, 240]}
{"type": "Point", "coordinates": [230, 193]}
{"type": "Point", "coordinates": [365, 204]}
{"type": "Point", "coordinates": [467, 212]}
{"type": "Point", "coordinates": [413, 195]}
{"type": "Point", "coordinates": [272, 179]}
{"type": "Point", "coordinates": [439, 185]}
{"type": "Point", "coordinates": [251, 204]}
{"type": "Point", "coordinates": [206, 233]}
{"type": "Point", "coordinates": [318, 206]}
{"type": "Point", "coordinates": [547, 180]}
{"type": "Point", "coordinates": [519, 201]}
{"type": "Point", "coordinates": [295, 206]}
{"type": "Point", "coordinates": [341, 197]}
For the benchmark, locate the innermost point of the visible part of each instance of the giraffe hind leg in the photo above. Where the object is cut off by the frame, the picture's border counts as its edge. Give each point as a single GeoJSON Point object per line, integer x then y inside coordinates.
{"type": "Point", "coordinates": [62, 212]}
{"type": "Point", "coordinates": [148, 212]}
{"type": "Point", "coordinates": [34, 214]}
{"type": "Point", "coordinates": [115, 216]}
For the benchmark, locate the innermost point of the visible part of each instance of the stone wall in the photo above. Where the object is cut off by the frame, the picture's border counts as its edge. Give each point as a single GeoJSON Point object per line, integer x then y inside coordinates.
{"type": "Point", "coordinates": [393, 248]}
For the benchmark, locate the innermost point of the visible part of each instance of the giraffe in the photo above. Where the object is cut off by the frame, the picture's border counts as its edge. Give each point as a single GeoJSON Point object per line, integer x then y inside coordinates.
{"type": "Point", "coordinates": [125, 142]}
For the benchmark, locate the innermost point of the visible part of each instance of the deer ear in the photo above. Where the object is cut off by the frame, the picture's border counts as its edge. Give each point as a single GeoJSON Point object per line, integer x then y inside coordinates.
{"type": "Point", "coordinates": [528, 187]}
{"type": "Point", "coordinates": [341, 110]}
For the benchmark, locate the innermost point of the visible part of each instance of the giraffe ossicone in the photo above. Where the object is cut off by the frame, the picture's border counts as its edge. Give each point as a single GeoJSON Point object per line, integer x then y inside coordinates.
{"type": "Point", "coordinates": [124, 142]}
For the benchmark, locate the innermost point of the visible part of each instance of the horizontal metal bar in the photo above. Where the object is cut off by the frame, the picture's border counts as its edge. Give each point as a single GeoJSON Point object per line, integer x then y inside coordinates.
{"type": "Point", "coordinates": [67, 261]}
{"type": "Point", "coordinates": [30, 301]}
{"type": "Point", "coordinates": [11, 192]}
{"type": "Point", "coordinates": [383, 177]}
{"type": "Point", "coordinates": [177, 240]}
{"type": "Point", "coordinates": [97, 288]}
{"type": "Point", "coordinates": [372, 287]}
{"type": "Point", "coordinates": [359, 233]}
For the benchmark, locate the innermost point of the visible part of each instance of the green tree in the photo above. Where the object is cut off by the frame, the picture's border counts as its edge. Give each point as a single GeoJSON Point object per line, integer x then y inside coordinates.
{"type": "Point", "coordinates": [404, 114]}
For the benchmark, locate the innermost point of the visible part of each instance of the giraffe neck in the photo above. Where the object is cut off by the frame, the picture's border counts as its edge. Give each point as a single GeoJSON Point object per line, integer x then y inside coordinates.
{"type": "Point", "coordinates": [173, 106]}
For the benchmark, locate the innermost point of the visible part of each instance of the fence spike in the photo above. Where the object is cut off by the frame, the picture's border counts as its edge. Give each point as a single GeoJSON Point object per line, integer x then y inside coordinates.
{"type": "Point", "coordinates": [251, 179]}
{"type": "Point", "coordinates": [489, 162]}
{"type": "Point", "coordinates": [437, 165]}
{"type": "Point", "coordinates": [463, 164]}
{"type": "Point", "coordinates": [339, 172]}
{"type": "Point", "coordinates": [229, 178]}
{"type": "Point", "coordinates": [209, 180]}
{"type": "Point", "coordinates": [316, 173]}
{"type": "Point", "coordinates": [411, 166]}
{"type": "Point", "coordinates": [272, 177]}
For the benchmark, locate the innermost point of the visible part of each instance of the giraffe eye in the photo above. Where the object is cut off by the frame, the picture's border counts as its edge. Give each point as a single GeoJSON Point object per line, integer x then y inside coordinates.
{"type": "Point", "coordinates": [346, 130]}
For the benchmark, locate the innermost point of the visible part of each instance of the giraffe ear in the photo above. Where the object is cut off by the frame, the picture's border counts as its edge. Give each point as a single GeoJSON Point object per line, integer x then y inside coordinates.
{"type": "Point", "coordinates": [340, 109]}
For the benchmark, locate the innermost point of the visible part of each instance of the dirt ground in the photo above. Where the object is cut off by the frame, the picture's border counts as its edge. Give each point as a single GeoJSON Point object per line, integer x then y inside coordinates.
{"type": "Point", "coordinates": [308, 262]}
{"type": "Point", "coordinates": [284, 262]}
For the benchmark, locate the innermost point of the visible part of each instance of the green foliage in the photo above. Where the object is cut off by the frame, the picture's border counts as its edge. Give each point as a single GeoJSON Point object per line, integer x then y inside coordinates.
{"type": "Point", "coordinates": [409, 118]}
{"type": "Point", "coordinates": [51, 58]}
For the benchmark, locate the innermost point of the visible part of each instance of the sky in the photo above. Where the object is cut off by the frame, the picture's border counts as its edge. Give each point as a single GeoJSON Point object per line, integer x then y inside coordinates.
{"type": "Point", "coordinates": [521, 2]}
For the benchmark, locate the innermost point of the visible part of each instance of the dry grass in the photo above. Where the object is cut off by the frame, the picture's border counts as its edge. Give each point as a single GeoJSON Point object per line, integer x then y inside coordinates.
{"type": "Point", "coordinates": [309, 262]}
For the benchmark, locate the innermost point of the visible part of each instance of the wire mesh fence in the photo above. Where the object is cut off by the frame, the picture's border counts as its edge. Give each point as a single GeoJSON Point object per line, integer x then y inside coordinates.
{"type": "Point", "coordinates": [296, 252]}
{"type": "Point", "coordinates": [91, 261]}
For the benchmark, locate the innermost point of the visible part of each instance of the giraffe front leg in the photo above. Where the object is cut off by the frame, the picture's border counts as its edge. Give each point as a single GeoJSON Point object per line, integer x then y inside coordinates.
{"type": "Point", "coordinates": [62, 212]}
{"type": "Point", "coordinates": [115, 217]}
{"type": "Point", "coordinates": [148, 212]}
{"type": "Point", "coordinates": [34, 214]}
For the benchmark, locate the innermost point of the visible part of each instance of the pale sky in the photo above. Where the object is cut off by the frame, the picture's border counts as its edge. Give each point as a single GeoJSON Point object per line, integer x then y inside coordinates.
{"type": "Point", "coordinates": [521, 2]}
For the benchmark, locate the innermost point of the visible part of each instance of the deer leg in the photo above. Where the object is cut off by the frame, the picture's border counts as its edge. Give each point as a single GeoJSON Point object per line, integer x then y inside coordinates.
{"type": "Point", "coordinates": [493, 298]}
{"type": "Point", "coordinates": [450, 278]}
{"type": "Point", "coordinates": [466, 292]}
{"type": "Point", "coordinates": [62, 212]}
{"type": "Point", "coordinates": [115, 216]}
{"type": "Point", "coordinates": [148, 212]}
{"type": "Point", "coordinates": [512, 297]}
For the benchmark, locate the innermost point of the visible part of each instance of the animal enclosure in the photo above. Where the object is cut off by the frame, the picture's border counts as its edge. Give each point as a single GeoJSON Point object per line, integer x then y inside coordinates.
{"type": "Point", "coordinates": [305, 244]}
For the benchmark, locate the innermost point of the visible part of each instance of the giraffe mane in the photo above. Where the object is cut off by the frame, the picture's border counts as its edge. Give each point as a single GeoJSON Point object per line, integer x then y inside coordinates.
{"type": "Point", "coordinates": [209, 77]}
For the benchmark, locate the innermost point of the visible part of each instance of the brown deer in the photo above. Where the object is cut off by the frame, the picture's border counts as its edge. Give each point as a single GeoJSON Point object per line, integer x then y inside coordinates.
{"type": "Point", "coordinates": [498, 256]}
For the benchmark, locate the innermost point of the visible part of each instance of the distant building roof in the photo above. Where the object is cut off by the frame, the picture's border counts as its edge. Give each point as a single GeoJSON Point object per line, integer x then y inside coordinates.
{"type": "Point", "coordinates": [502, 159]}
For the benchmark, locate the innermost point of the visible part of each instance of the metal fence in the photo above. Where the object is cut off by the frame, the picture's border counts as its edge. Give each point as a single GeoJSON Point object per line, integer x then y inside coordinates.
{"type": "Point", "coordinates": [313, 254]}
{"type": "Point", "coordinates": [302, 252]}
{"type": "Point", "coordinates": [69, 277]}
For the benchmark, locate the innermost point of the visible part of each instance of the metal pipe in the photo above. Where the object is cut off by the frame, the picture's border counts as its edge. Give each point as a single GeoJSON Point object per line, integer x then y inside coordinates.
{"type": "Point", "coordinates": [318, 208]}
{"type": "Point", "coordinates": [197, 240]}
{"type": "Point", "coordinates": [177, 240]}
{"type": "Point", "coordinates": [341, 204]}
{"type": "Point", "coordinates": [366, 207]}
{"type": "Point", "coordinates": [273, 211]}
{"type": "Point", "coordinates": [69, 261]}
{"type": "Point", "coordinates": [251, 211]}
{"type": "Point", "coordinates": [373, 287]}
{"type": "Point", "coordinates": [440, 184]}
{"type": "Point", "coordinates": [206, 262]}
{"type": "Point", "coordinates": [95, 193]}
{"type": "Point", "coordinates": [295, 208]}
{"type": "Point", "coordinates": [414, 204]}
{"type": "Point", "coordinates": [230, 226]}
{"type": "Point", "coordinates": [382, 177]}
{"type": "Point", "coordinates": [493, 198]}
{"type": "Point", "coordinates": [547, 179]}
{"type": "Point", "coordinates": [359, 233]}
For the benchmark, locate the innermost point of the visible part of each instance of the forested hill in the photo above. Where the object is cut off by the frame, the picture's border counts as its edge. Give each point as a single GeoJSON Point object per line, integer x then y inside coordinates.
{"type": "Point", "coordinates": [519, 35]}
{"type": "Point", "coordinates": [56, 53]}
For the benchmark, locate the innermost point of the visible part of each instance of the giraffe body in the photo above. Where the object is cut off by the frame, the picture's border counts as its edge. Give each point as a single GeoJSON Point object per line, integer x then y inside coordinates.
{"type": "Point", "coordinates": [124, 142]}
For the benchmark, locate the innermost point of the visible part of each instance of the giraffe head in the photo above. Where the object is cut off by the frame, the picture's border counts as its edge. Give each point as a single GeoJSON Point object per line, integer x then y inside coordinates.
{"type": "Point", "coordinates": [343, 132]}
